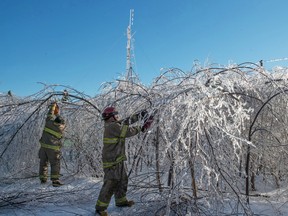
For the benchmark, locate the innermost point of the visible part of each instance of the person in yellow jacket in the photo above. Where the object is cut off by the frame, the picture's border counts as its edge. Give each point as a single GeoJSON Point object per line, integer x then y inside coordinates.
{"type": "Point", "coordinates": [113, 157]}
{"type": "Point", "coordinates": [50, 146]}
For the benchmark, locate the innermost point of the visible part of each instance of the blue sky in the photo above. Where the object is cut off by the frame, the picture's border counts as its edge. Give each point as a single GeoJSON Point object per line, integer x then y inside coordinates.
{"type": "Point", "coordinates": [82, 43]}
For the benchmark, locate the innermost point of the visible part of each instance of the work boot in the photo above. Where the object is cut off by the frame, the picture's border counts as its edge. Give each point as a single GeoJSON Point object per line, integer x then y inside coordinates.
{"type": "Point", "coordinates": [102, 212]}
{"type": "Point", "coordinates": [43, 181]}
{"type": "Point", "coordinates": [56, 183]}
{"type": "Point", "coordinates": [127, 203]}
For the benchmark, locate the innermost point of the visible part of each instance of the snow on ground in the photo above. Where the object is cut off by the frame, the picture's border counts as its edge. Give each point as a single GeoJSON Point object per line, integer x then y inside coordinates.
{"type": "Point", "coordinates": [77, 197]}
{"type": "Point", "coordinates": [79, 194]}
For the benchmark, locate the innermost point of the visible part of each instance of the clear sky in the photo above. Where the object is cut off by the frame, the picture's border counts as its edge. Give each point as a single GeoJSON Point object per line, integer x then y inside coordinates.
{"type": "Point", "coordinates": [82, 43]}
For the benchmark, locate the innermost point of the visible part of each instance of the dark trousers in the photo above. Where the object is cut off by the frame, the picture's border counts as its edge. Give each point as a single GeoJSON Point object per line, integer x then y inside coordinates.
{"type": "Point", "coordinates": [115, 183]}
{"type": "Point", "coordinates": [49, 155]}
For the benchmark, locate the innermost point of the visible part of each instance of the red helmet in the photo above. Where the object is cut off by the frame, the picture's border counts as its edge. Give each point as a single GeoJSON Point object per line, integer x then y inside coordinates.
{"type": "Point", "coordinates": [109, 112]}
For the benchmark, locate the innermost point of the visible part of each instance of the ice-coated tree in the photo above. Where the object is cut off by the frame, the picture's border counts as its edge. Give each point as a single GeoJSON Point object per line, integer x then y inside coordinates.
{"type": "Point", "coordinates": [218, 133]}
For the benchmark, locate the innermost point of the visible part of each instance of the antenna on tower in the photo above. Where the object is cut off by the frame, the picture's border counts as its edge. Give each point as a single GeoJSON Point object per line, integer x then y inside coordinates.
{"type": "Point", "coordinates": [129, 68]}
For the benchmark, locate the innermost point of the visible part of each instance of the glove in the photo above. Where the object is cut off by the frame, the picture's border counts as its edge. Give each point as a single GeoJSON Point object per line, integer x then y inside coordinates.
{"type": "Point", "coordinates": [143, 114]}
{"type": "Point", "coordinates": [147, 124]}
{"type": "Point", "coordinates": [54, 109]}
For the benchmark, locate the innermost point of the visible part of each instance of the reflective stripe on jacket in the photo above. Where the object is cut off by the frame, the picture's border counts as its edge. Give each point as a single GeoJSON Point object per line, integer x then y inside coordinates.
{"type": "Point", "coordinates": [118, 160]}
{"type": "Point", "coordinates": [56, 148]}
{"type": "Point", "coordinates": [52, 134]}
{"type": "Point", "coordinates": [114, 142]}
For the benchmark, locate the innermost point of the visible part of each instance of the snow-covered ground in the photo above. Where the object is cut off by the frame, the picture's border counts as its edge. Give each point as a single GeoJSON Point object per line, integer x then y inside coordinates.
{"type": "Point", "coordinates": [79, 194]}
{"type": "Point", "coordinates": [29, 197]}
{"type": "Point", "coordinates": [77, 197]}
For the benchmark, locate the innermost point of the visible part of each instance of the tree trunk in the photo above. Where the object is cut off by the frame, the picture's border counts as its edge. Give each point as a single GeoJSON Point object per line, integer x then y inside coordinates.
{"type": "Point", "coordinates": [157, 159]}
{"type": "Point", "coordinates": [191, 165]}
{"type": "Point", "coordinates": [247, 172]}
{"type": "Point", "coordinates": [171, 173]}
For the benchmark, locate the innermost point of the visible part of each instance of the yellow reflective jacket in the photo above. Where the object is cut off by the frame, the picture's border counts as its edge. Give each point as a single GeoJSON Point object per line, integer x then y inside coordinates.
{"type": "Point", "coordinates": [114, 136]}
{"type": "Point", "coordinates": [52, 134]}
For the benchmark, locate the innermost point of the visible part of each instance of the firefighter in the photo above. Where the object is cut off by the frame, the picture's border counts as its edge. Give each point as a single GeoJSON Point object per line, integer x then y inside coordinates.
{"type": "Point", "coordinates": [50, 146]}
{"type": "Point", "coordinates": [113, 157]}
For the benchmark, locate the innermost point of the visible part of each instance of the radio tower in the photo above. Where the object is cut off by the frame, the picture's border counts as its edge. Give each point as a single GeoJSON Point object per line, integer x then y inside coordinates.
{"type": "Point", "coordinates": [129, 69]}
